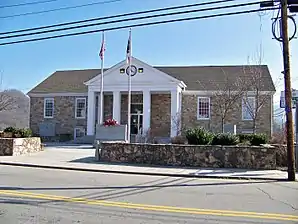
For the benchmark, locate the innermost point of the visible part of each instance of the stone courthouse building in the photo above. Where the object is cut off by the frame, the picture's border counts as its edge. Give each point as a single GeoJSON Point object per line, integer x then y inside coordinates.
{"type": "Point", "coordinates": [67, 102]}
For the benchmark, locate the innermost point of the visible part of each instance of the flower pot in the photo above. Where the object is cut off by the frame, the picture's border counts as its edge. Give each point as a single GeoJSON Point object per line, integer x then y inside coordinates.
{"type": "Point", "coordinates": [111, 133]}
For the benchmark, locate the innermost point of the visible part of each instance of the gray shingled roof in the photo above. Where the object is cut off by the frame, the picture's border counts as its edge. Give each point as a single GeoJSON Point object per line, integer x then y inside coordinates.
{"type": "Point", "coordinates": [215, 77]}
{"type": "Point", "coordinates": [195, 77]}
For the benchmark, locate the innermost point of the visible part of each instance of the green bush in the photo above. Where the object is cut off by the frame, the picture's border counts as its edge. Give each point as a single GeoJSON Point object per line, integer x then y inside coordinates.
{"type": "Point", "coordinates": [225, 139]}
{"type": "Point", "coordinates": [25, 132]}
{"type": "Point", "coordinates": [198, 136]}
{"type": "Point", "coordinates": [19, 132]}
{"type": "Point", "coordinates": [10, 129]}
{"type": "Point", "coordinates": [244, 137]}
{"type": "Point", "coordinates": [258, 139]}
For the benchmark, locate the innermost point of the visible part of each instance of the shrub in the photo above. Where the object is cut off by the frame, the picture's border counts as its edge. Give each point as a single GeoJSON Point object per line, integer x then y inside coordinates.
{"type": "Point", "coordinates": [225, 139]}
{"type": "Point", "coordinates": [25, 132]}
{"type": "Point", "coordinates": [178, 140]}
{"type": "Point", "coordinates": [19, 132]}
{"type": "Point", "coordinates": [244, 137]}
{"type": "Point", "coordinates": [10, 129]}
{"type": "Point", "coordinates": [258, 139]}
{"type": "Point", "coordinates": [198, 136]}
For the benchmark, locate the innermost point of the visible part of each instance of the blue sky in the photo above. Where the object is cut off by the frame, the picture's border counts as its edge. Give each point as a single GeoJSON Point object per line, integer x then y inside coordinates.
{"type": "Point", "coordinates": [216, 41]}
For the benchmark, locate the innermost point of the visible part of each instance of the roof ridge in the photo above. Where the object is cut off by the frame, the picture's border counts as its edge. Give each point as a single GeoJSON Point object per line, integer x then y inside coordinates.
{"type": "Point", "coordinates": [196, 66]}
{"type": "Point", "coordinates": [84, 69]}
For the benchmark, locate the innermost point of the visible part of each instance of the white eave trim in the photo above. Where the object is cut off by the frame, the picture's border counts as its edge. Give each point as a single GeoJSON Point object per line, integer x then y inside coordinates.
{"type": "Point", "coordinates": [57, 94]}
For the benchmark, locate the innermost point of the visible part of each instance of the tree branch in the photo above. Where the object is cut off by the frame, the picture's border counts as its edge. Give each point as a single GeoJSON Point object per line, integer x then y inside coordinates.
{"type": "Point", "coordinates": [7, 102]}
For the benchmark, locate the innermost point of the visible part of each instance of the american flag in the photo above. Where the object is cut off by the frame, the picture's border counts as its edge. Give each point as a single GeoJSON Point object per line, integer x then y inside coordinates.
{"type": "Point", "coordinates": [128, 49]}
{"type": "Point", "coordinates": [103, 48]}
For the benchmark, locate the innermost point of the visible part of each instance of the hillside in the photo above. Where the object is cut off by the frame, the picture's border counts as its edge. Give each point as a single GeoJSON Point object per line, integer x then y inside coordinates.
{"type": "Point", "coordinates": [18, 115]}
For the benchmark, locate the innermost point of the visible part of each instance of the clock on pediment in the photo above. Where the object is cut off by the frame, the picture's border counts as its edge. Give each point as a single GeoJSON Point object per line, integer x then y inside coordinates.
{"type": "Point", "coordinates": [132, 70]}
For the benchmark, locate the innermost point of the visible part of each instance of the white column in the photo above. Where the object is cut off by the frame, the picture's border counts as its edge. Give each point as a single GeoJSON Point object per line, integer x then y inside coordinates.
{"type": "Point", "coordinates": [117, 106]}
{"type": "Point", "coordinates": [91, 113]}
{"type": "Point", "coordinates": [175, 103]}
{"type": "Point", "coordinates": [146, 110]}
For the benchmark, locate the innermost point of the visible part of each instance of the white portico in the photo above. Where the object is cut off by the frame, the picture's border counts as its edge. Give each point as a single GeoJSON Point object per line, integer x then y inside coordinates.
{"type": "Point", "coordinates": [145, 80]}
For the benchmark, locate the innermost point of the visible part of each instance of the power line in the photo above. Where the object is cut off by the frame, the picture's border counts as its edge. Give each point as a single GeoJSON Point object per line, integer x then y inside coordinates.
{"type": "Point", "coordinates": [137, 25]}
{"type": "Point", "coordinates": [28, 3]}
{"type": "Point", "coordinates": [117, 16]}
{"type": "Point", "coordinates": [131, 19]}
{"type": "Point", "coordinates": [59, 9]}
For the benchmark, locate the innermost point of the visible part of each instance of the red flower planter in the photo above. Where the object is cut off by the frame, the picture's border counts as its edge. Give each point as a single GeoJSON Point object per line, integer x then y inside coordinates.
{"type": "Point", "coordinates": [110, 122]}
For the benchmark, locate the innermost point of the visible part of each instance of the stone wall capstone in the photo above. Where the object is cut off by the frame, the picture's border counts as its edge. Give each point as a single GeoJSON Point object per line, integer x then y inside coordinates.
{"type": "Point", "coordinates": [207, 156]}
{"type": "Point", "coordinates": [19, 146]}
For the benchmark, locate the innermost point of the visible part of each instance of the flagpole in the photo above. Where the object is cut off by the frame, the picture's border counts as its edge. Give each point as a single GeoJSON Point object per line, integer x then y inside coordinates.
{"type": "Point", "coordinates": [129, 91]}
{"type": "Point", "coordinates": [101, 82]}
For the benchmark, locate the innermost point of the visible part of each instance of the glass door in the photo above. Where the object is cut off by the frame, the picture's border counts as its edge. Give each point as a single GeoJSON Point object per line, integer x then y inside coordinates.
{"type": "Point", "coordinates": [136, 122]}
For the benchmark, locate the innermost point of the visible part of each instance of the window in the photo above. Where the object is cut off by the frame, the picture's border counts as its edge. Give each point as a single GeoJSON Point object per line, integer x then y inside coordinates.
{"type": "Point", "coordinates": [79, 132]}
{"type": "Point", "coordinates": [248, 108]}
{"type": "Point", "coordinates": [203, 108]}
{"type": "Point", "coordinates": [80, 111]}
{"type": "Point", "coordinates": [48, 108]}
{"type": "Point", "coordinates": [136, 108]}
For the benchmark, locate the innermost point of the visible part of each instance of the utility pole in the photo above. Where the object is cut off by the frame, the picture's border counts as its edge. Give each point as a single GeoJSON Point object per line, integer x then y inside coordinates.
{"type": "Point", "coordinates": [288, 91]}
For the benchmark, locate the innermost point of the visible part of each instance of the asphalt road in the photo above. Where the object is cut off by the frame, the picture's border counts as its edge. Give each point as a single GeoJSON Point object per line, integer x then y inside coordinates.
{"type": "Point", "coordinates": [43, 196]}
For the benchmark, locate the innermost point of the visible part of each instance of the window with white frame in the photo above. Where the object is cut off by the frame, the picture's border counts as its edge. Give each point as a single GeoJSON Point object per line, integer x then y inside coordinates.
{"type": "Point", "coordinates": [248, 108]}
{"type": "Point", "coordinates": [80, 110]}
{"type": "Point", "coordinates": [79, 132]}
{"type": "Point", "coordinates": [203, 108]}
{"type": "Point", "coordinates": [48, 108]}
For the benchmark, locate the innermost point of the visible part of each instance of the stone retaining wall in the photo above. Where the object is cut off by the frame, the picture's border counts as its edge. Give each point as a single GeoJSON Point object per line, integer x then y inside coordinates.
{"type": "Point", "coordinates": [246, 157]}
{"type": "Point", "coordinates": [19, 146]}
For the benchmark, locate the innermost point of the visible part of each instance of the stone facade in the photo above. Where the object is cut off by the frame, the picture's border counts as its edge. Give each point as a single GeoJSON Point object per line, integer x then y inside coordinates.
{"type": "Point", "coordinates": [189, 116]}
{"type": "Point", "coordinates": [245, 157]}
{"type": "Point", "coordinates": [160, 115]}
{"type": "Point", "coordinates": [64, 115]}
{"type": "Point", "coordinates": [65, 121]}
{"type": "Point", "coordinates": [19, 146]}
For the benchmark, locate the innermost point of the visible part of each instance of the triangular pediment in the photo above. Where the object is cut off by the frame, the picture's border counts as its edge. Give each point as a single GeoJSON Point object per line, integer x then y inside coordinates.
{"type": "Point", "coordinates": [141, 73]}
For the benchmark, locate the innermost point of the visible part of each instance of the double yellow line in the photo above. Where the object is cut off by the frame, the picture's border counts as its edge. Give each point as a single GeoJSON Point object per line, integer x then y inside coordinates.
{"type": "Point", "coordinates": [193, 211]}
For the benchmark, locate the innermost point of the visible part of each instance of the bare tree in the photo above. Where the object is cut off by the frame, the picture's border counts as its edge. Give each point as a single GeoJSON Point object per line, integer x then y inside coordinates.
{"type": "Point", "coordinates": [227, 96]}
{"type": "Point", "coordinates": [177, 123]}
{"type": "Point", "coordinates": [255, 99]}
{"type": "Point", "coordinates": [7, 102]}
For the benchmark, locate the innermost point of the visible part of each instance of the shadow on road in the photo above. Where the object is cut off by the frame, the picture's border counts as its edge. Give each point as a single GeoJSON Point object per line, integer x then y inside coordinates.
{"type": "Point", "coordinates": [18, 201]}
{"type": "Point", "coordinates": [112, 192]}
{"type": "Point", "coordinates": [134, 186]}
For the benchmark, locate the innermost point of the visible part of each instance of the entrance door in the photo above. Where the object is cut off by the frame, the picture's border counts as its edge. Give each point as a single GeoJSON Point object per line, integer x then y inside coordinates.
{"type": "Point", "coordinates": [136, 122]}
{"type": "Point", "coordinates": [136, 118]}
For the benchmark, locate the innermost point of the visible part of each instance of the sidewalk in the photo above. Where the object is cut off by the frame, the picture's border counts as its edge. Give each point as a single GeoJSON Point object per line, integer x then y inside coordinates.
{"type": "Point", "coordinates": [81, 158]}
